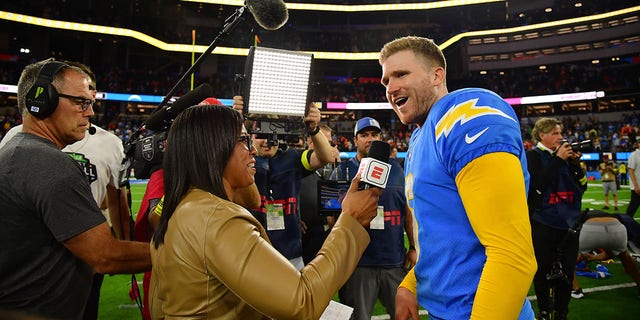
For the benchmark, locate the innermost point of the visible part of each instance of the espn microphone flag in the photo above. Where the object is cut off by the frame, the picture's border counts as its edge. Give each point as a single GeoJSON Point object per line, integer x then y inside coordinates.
{"type": "Point", "coordinates": [374, 169]}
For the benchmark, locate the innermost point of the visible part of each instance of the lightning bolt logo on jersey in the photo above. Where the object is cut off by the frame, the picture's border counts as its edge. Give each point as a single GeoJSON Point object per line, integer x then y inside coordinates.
{"type": "Point", "coordinates": [463, 113]}
{"type": "Point", "coordinates": [460, 127]}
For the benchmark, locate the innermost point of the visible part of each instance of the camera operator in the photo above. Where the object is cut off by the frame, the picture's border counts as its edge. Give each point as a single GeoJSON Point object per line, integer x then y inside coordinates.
{"type": "Point", "coordinates": [555, 196]}
{"type": "Point", "coordinates": [278, 177]}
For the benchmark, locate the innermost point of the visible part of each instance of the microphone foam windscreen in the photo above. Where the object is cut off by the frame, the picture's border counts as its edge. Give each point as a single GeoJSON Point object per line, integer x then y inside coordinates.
{"type": "Point", "coordinates": [269, 14]}
{"type": "Point", "coordinates": [167, 113]}
{"type": "Point", "coordinates": [380, 150]}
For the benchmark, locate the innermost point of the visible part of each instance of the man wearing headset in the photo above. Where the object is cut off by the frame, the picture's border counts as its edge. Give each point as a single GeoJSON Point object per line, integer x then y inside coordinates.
{"type": "Point", "coordinates": [54, 236]}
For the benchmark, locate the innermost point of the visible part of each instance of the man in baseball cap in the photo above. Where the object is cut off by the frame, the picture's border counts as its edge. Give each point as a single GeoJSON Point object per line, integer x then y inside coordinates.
{"type": "Point", "coordinates": [382, 266]}
{"type": "Point", "coordinates": [366, 122]}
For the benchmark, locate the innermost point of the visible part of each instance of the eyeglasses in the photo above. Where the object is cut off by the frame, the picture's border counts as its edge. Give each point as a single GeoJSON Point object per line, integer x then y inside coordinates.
{"type": "Point", "coordinates": [84, 103]}
{"type": "Point", "coordinates": [246, 139]}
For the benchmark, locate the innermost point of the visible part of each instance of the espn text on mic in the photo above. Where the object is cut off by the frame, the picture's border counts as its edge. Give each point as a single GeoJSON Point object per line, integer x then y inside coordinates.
{"type": "Point", "coordinates": [374, 169]}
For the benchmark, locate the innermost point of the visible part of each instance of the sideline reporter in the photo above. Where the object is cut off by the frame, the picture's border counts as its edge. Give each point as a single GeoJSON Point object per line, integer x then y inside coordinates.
{"type": "Point", "coordinates": [212, 258]}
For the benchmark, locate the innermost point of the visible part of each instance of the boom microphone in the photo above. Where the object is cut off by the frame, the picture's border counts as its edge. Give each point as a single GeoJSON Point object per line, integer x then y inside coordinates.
{"type": "Point", "coordinates": [91, 130]}
{"type": "Point", "coordinates": [164, 116]}
{"type": "Point", "coordinates": [374, 169]}
{"type": "Point", "coordinates": [269, 14]}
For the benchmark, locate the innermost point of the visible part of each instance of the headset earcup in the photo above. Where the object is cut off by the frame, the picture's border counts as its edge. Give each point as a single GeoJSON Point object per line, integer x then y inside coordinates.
{"type": "Point", "coordinates": [42, 97]}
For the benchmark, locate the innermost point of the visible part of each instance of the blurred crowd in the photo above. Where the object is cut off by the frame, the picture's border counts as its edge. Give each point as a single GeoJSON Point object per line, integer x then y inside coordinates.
{"type": "Point", "coordinates": [611, 77]}
{"type": "Point", "coordinates": [614, 136]}
{"type": "Point", "coordinates": [305, 30]}
{"type": "Point", "coordinates": [606, 136]}
{"type": "Point", "coordinates": [312, 31]}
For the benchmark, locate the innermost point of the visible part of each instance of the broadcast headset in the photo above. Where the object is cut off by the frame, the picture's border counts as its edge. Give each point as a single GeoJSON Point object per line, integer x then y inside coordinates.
{"type": "Point", "coordinates": [42, 97]}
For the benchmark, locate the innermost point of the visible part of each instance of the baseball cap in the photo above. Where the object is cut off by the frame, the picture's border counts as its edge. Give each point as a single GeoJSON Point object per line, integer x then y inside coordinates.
{"type": "Point", "coordinates": [364, 123]}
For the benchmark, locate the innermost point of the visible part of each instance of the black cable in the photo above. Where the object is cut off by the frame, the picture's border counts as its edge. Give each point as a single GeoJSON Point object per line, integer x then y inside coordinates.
{"type": "Point", "coordinates": [137, 297]}
{"type": "Point", "coordinates": [135, 289]}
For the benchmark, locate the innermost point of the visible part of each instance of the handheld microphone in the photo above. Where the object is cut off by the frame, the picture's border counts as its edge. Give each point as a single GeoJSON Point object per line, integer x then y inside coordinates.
{"type": "Point", "coordinates": [269, 14]}
{"type": "Point", "coordinates": [374, 169]}
{"type": "Point", "coordinates": [163, 116]}
{"type": "Point", "coordinates": [91, 130]}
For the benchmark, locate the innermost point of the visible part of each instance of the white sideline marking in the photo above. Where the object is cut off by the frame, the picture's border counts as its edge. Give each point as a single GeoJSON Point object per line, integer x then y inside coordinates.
{"type": "Point", "coordinates": [386, 316]}
{"type": "Point", "coordinates": [596, 289]}
{"type": "Point", "coordinates": [532, 298]}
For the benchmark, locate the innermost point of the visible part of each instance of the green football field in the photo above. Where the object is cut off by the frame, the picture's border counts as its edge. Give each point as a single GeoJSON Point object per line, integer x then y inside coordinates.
{"type": "Point", "coordinates": [611, 298]}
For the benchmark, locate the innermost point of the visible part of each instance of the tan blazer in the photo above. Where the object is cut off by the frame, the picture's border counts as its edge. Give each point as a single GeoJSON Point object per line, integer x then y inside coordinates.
{"type": "Point", "coordinates": [217, 263]}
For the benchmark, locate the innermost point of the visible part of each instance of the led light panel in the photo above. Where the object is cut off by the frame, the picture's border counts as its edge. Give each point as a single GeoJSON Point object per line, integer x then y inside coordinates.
{"type": "Point", "coordinates": [277, 82]}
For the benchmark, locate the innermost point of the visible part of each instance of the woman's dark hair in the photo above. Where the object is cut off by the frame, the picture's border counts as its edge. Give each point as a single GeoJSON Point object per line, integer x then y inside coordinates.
{"type": "Point", "coordinates": [199, 145]}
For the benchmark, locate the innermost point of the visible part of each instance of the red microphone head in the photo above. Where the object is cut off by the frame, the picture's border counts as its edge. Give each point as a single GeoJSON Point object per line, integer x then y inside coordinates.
{"type": "Point", "coordinates": [212, 101]}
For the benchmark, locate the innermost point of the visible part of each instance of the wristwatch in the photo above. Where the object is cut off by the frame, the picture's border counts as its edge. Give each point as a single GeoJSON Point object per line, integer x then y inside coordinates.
{"type": "Point", "coordinates": [314, 132]}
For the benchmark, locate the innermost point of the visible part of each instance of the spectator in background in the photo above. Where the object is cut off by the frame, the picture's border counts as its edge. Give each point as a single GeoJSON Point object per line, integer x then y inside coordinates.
{"type": "Point", "coordinates": [555, 199]}
{"type": "Point", "coordinates": [394, 153]}
{"type": "Point", "coordinates": [609, 172]}
{"type": "Point", "coordinates": [54, 236]}
{"type": "Point", "coordinates": [451, 173]}
{"type": "Point", "coordinates": [385, 261]}
{"type": "Point", "coordinates": [634, 176]}
{"type": "Point", "coordinates": [597, 145]}
{"type": "Point", "coordinates": [212, 258]}
{"type": "Point", "coordinates": [622, 171]}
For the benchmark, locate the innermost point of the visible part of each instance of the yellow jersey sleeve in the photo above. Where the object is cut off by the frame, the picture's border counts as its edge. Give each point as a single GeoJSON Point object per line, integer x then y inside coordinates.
{"type": "Point", "coordinates": [409, 282]}
{"type": "Point", "coordinates": [493, 192]}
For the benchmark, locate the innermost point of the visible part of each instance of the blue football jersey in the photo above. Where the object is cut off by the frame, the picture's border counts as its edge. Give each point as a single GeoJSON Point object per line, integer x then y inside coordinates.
{"type": "Point", "coordinates": [460, 127]}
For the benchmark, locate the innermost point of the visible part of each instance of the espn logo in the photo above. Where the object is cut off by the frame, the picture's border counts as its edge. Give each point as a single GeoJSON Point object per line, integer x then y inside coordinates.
{"type": "Point", "coordinates": [375, 172]}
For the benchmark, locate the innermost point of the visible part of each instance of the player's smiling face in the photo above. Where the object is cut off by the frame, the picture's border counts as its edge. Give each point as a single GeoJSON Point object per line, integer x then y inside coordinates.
{"type": "Point", "coordinates": [410, 86]}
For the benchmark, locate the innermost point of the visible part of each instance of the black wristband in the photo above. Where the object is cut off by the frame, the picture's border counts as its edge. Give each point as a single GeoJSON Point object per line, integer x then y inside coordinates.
{"type": "Point", "coordinates": [314, 132]}
{"type": "Point", "coordinates": [412, 248]}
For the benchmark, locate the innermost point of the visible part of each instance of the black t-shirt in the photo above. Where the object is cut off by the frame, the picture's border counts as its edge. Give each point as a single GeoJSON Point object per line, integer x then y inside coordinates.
{"type": "Point", "coordinates": [46, 199]}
